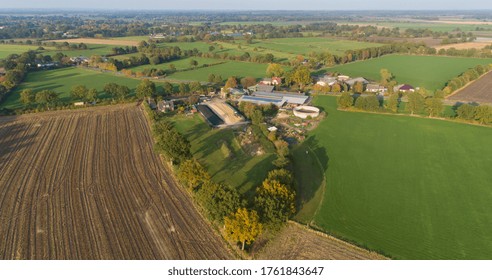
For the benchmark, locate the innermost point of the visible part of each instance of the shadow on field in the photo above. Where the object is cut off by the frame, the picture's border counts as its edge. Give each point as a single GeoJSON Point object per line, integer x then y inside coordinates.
{"type": "Point", "coordinates": [13, 138]}
{"type": "Point", "coordinates": [311, 163]}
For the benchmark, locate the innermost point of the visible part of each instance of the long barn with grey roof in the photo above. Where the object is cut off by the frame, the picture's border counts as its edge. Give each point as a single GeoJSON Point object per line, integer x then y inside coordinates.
{"type": "Point", "coordinates": [276, 98]}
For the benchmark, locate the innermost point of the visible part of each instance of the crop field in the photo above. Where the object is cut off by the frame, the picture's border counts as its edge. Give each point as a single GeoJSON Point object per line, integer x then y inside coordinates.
{"type": "Point", "coordinates": [411, 188]}
{"type": "Point", "coordinates": [88, 185]}
{"type": "Point", "coordinates": [431, 72]}
{"type": "Point", "coordinates": [442, 26]}
{"type": "Point", "coordinates": [92, 49]}
{"type": "Point", "coordinates": [230, 68]}
{"type": "Point", "coordinates": [307, 45]}
{"type": "Point", "coordinates": [296, 242]}
{"type": "Point", "coordinates": [6, 50]}
{"type": "Point", "coordinates": [62, 81]}
{"type": "Point", "coordinates": [240, 170]}
{"type": "Point", "coordinates": [181, 64]}
{"type": "Point", "coordinates": [478, 91]}
{"type": "Point", "coordinates": [96, 41]}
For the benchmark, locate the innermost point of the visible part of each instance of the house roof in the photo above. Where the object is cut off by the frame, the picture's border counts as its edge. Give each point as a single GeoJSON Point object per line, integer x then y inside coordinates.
{"type": "Point", "coordinates": [352, 81]}
{"type": "Point", "coordinates": [406, 87]}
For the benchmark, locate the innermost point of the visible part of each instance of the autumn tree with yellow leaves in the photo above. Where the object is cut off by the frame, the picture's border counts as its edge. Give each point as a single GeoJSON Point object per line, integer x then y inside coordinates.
{"type": "Point", "coordinates": [243, 226]}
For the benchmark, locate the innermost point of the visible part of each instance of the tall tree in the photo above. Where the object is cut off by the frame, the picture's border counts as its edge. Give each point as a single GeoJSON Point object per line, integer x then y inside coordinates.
{"type": "Point", "coordinates": [46, 96]}
{"type": "Point", "coordinates": [275, 70]}
{"type": "Point", "coordinates": [386, 76]}
{"type": "Point", "coordinates": [79, 92]}
{"type": "Point", "coordinates": [248, 82]}
{"type": "Point", "coordinates": [415, 103]}
{"type": "Point", "coordinates": [275, 202]}
{"type": "Point", "coordinates": [301, 76]}
{"type": "Point", "coordinates": [219, 200]}
{"type": "Point", "coordinates": [146, 88]}
{"type": "Point", "coordinates": [243, 226]}
{"type": "Point", "coordinates": [434, 106]}
{"type": "Point", "coordinates": [393, 102]}
{"type": "Point", "coordinates": [27, 96]}
{"type": "Point", "coordinates": [231, 83]}
{"type": "Point", "coordinates": [345, 100]}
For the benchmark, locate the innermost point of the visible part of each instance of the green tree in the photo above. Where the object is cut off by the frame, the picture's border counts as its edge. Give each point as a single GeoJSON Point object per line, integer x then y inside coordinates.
{"type": "Point", "coordinates": [466, 112]}
{"type": "Point", "coordinates": [146, 88]}
{"type": "Point", "coordinates": [193, 63]}
{"type": "Point", "coordinates": [345, 100]}
{"type": "Point", "coordinates": [386, 77]}
{"type": "Point", "coordinates": [275, 202]}
{"type": "Point", "coordinates": [196, 87]}
{"type": "Point", "coordinates": [192, 174]}
{"type": "Point", "coordinates": [184, 88]}
{"type": "Point", "coordinates": [47, 97]}
{"type": "Point", "coordinates": [79, 92]}
{"type": "Point", "coordinates": [167, 88]}
{"type": "Point", "coordinates": [483, 114]}
{"type": "Point", "coordinates": [27, 96]}
{"type": "Point", "coordinates": [122, 92]}
{"type": "Point", "coordinates": [211, 78]}
{"type": "Point", "coordinates": [301, 76]}
{"type": "Point", "coordinates": [219, 200]}
{"type": "Point", "coordinates": [393, 102]}
{"type": "Point", "coordinates": [415, 103]}
{"type": "Point", "coordinates": [92, 95]}
{"type": "Point", "coordinates": [434, 106]}
{"type": "Point", "coordinates": [281, 175]}
{"type": "Point", "coordinates": [242, 226]}
{"type": "Point", "coordinates": [170, 142]}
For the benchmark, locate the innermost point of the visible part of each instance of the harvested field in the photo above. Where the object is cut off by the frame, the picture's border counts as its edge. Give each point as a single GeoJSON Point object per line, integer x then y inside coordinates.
{"type": "Point", "coordinates": [479, 91]}
{"type": "Point", "coordinates": [465, 46]}
{"type": "Point", "coordinates": [225, 112]}
{"type": "Point", "coordinates": [101, 41]}
{"type": "Point", "coordinates": [87, 185]}
{"type": "Point", "coordinates": [296, 242]}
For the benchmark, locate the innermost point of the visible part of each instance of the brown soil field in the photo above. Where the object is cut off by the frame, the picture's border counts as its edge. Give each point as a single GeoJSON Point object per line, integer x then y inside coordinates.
{"type": "Point", "coordinates": [100, 41]}
{"type": "Point", "coordinates": [465, 46]}
{"type": "Point", "coordinates": [479, 91]}
{"type": "Point", "coordinates": [296, 242]}
{"type": "Point", "coordinates": [87, 184]}
{"type": "Point", "coordinates": [429, 41]}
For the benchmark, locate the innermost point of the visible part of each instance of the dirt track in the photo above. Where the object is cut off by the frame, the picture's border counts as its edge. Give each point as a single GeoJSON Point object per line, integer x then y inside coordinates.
{"type": "Point", "coordinates": [296, 242]}
{"type": "Point", "coordinates": [87, 185]}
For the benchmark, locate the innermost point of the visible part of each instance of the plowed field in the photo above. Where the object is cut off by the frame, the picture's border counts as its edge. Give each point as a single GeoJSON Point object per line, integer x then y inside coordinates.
{"type": "Point", "coordinates": [478, 91]}
{"type": "Point", "coordinates": [87, 185]}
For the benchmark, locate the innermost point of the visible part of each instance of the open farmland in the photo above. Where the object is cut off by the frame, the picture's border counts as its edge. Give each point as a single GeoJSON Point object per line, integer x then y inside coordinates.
{"type": "Point", "coordinates": [316, 44]}
{"type": "Point", "coordinates": [119, 42]}
{"type": "Point", "coordinates": [241, 170]}
{"type": "Point", "coordinates": [408, 187]}
{"type": "Point", "coordinates": [88, 185]}
{"type": "Point", "coordinates": [479, 91]}
{"type": "Point", "coordinates": [296, 242]}
{"type": "Point", "coordinates": [181, 64]}
{"type": "Point", "coordinates": [230, 68]}
{"type": "Point", "coordinates": [62, 81]}
{"type": "Point", "coordinates": [6, 50]}
{"type": "Point", "coordinates": [431, 72]}
{"type": "Point", "coordinates": [92, 49]}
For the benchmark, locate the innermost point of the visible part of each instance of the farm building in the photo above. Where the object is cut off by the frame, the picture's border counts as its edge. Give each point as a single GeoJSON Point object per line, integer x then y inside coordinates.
{"type": "Point", "coordinates": [327, 81]}
{"type": "Point", "coordinates": [376, 88]}
{"type": "Point", "coordinates": [165, 106]}
{"type": "Point", "coordinates": [276, 98]}
{"type": "Point", "coordinates": [351, 82]}
{"type": "Point", "coordinates": [404, 88]}
{"type": "Point", "coordinates": [262, 88]}
{"type": "Point", "coordinates": [235, 93]}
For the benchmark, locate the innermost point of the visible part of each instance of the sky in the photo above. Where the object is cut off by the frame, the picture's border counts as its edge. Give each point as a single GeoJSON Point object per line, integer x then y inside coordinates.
{"type": "Point", "coordinates": [251, 4]}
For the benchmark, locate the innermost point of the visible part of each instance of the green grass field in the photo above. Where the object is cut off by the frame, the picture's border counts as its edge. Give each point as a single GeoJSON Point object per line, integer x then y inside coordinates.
{"type": "Point", "coordinates": [241, 171]}
{"type": "Point", "coordinates": [180, 64]}
{"type": "Point", "coordinates": [92, 49]}
{"type": "Point", "coordinates": [62, 81]}
{"type": "Point", "coordinates": [6, 50]}
{"type": "Point", "coordinates": [409, 187]}
{"type": "Point", "coordinates": [431, 72]}
{"type": "Point", "coordinates": [434, 26]}
{"type": "Point", "coordinates": [230, 68]}
{"type": "Point", "coordinates": [307, 45]}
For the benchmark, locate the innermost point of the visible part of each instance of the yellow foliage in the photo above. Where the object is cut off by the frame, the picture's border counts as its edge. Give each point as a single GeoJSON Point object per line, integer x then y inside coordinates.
{"type": "Point", "coordinates": [243, 226]}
